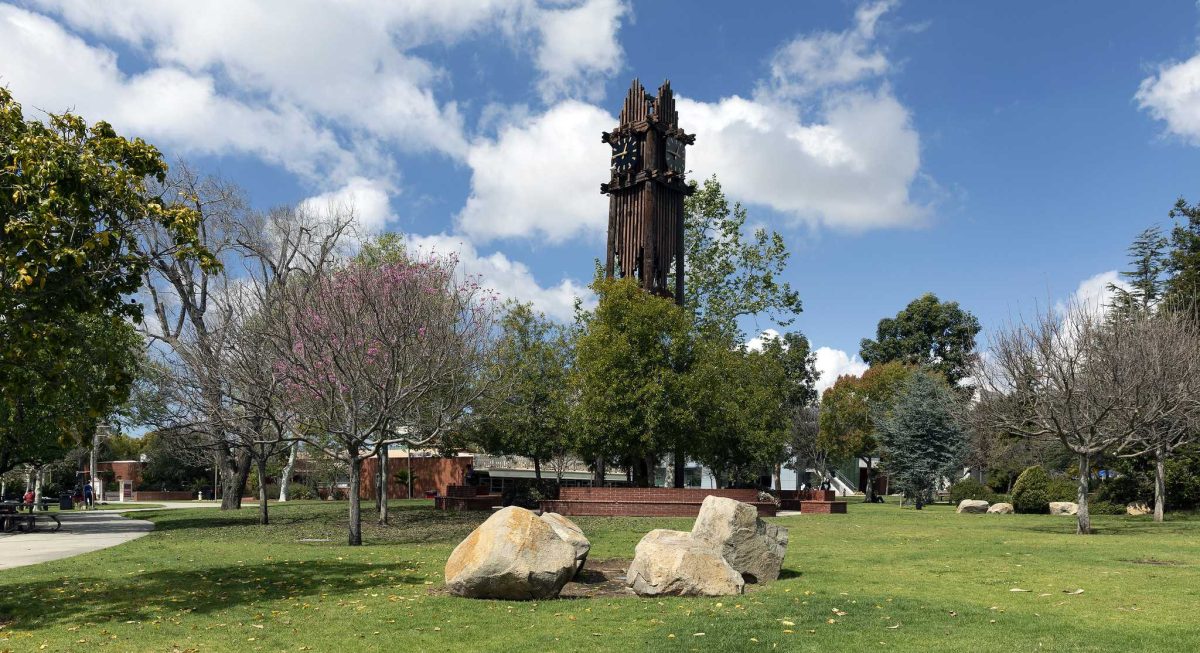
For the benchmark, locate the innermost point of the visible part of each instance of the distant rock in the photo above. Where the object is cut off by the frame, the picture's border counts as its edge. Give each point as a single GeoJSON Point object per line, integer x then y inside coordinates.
{"type": "Point", "coordinates": [513, 555]}
{"type": "Point", "coordinates": [750, 545]}
{"type": "Point", "coordinates": [1064, 508]}
{"type": "Point", "coordinates": [972, 506]}
{"type": "Point", "coordinates": [571, 534]}
{"type": "Point", "coordinates": [1138, 509]}
{"type": "Point", "coordinates": [1001, 509]}
{"type": "Point", "coordinates": [675, 563]}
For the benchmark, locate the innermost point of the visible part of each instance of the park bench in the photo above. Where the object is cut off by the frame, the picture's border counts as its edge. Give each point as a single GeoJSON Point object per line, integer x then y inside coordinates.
{"type": "Point", "coordinates": [12, 519]}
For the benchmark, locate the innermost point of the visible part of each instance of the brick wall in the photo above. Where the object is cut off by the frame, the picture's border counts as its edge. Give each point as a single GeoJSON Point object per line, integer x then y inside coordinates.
{"type": "Point", "coordinates": [645, 502]}
{"type": "Point", "coordinates": [822, 507]}
{"type": "Point", "coordinates": [163, 496]}
{"type": "Point", "coordinates": [434, 474]}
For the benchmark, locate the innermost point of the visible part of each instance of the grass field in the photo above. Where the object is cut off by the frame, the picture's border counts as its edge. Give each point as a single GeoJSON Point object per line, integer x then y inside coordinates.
{"type": "Point", "coordinates": [879, 578]}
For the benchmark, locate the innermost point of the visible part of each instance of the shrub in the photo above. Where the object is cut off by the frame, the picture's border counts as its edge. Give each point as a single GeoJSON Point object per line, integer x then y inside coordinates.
{"type": "Point", "coordinates": [1062, 489]}
{"type": "Point", "coordinates": [300, 492]}
{"type": "Point", "coordinates": [970, 489]}
{"type": "Point", "coordinates": [1029, 494]}
{"type": "Point", "coordinates": [1101, 507]}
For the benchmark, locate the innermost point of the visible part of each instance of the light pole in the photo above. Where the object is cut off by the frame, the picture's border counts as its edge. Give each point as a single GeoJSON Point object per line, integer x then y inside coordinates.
{"type": "Point", "coordinates": [102, 431]}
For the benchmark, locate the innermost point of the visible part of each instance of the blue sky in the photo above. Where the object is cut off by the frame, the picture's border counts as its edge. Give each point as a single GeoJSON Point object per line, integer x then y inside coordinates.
{"type": "Point", "coordinates": [997, 154]}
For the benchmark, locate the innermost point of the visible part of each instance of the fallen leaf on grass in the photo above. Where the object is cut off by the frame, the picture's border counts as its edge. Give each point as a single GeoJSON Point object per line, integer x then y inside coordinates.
{"type": "Point", "coordinates": [893, 627]}
{"type": "Point", "coordinates": [1018, 589]}
{"type": "Point", "coordinates": [1073, 592]}
{"type": "Point", "coordinates": [787, 623]}
{"type": "Point", "coordinates": [1041, 595]}
{"type": "Point", "coordinates": [838, 612]}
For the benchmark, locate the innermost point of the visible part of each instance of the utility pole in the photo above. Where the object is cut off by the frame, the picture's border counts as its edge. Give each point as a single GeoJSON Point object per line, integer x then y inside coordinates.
{"type": "Point", "coordinates": [100, 433]}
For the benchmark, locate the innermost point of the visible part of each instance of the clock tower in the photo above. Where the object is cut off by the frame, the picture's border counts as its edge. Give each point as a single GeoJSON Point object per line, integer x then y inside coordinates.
{"type": "Point", "coordinates": [646, 190]}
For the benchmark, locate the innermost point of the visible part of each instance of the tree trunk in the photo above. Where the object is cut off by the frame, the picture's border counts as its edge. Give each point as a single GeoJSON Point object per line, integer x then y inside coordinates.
{"type": "Point", "coordinates": [355, 508]}
{"type": "Point", "coordinates": [235, 470]}
{"type": "Point", "coordinates": [598, 478]}
{"type": "Point", "coordinates": [383, 485]}
{"type": "Point", "coordinates": [1083, 517]}
{"type": "Point", "coordinates": [778, 477]}
{"type": "Point", "coordinates": [285, 479]}
{"type": "Point", "coordinates": [37, 486]}
{"type": "Point", "coordinates": [261, 464]}
{"type": "Point", "coordinates": [717, 480]}
{"type": "Point", "coordinates": [1160, 483]}
{"type": "Point", "coordinates": [638, 470]}
{"type": "Point", "coordinates": [537, 470]}
{"type": "Point", "coordinates": [869, 491]}
{"type": "Point", "coordinates": [680, 464]}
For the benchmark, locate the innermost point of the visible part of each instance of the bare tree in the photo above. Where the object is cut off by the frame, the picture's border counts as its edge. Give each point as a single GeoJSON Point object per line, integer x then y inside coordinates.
{"type": "Point", "coordinates": [804, 448]}
{"type": "Point", "coordinates": [377, 354]}
{"type": "Point", "coordinates": [1168, 346]}
{"type": "Point", "coordinates": [1071, 375]}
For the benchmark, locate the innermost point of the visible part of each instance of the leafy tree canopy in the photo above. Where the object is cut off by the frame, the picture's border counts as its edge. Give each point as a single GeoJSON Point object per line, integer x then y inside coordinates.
{"type": "Point", "coordinates": [928, 332]}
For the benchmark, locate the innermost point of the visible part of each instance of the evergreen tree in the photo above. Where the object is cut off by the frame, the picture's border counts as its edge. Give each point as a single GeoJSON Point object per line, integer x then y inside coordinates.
{"type": "Point", "coordinates": [928, 332]}
{"type": "Point", "coordinates": [1148, 260]}
{"type": "Point", "coordinates": [1183, 261]}
{"type": "Point", "coordinates": [922, 438]}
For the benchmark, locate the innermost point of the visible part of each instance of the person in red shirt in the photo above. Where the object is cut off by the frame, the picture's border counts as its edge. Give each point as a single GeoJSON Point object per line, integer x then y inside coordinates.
{"type": "Point", "coordinates": [29, 500]}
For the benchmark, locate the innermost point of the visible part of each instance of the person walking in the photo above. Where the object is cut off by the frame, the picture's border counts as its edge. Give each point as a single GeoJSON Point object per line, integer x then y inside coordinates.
{"type": "Point", "coordinates": [87, 497]}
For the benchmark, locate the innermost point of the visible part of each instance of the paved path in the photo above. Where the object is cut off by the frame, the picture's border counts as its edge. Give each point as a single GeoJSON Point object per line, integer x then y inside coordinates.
{"type": "Point", "coordinates": [81, 532]}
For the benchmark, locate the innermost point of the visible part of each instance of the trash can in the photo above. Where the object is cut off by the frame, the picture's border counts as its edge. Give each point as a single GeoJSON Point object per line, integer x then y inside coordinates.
{"type": "Point", "coordinates": [66, 501]}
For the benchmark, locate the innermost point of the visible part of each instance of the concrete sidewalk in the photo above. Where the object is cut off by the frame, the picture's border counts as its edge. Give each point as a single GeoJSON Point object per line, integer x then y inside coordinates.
{"type": "Point", "coordinates": [82, 532]}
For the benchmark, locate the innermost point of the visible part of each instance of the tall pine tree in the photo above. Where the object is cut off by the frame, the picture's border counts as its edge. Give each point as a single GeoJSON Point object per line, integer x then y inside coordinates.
{"type": "Point", "coordinates": [922, 438]}
{"type": "Point", "coordinates": [1183, 261]}
{"type": "Point", "coordinates": [1148, 261]}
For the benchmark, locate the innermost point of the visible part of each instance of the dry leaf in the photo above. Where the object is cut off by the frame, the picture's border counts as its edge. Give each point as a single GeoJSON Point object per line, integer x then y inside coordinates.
{"type": "Point", "coordinates": [1073, 592]}
{"type": "Point", "coordinates": [1018, 589]}
{"type": "Point", "coordinates": [893, 627]}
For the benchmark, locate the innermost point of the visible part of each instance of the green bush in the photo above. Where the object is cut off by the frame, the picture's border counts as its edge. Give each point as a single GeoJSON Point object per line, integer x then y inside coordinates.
{"type": "Point", "coordinates": [1029, 494]}
{"type": "Point", "coordinates": [1105, 508]}
{"type": "Point", "coordinates": [970, 489]}
{"type": "Point", "coordinates": [301, 492]}
{"type": "Point", "coordinates": [1062, 489]}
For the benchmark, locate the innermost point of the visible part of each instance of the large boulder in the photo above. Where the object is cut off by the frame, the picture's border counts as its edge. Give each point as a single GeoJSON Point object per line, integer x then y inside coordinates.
{"type": "Point", "coordinates": [677, 564]}
{"type": "Point", "coordinates": [750, 545]}
{"type": "Point", "coordinates": [972, 506]}
{"type": "Point", "coordinates": [1137, 509]}
{"type": "Point", "coordinates": [1001, 509]}
{"type": "Point", "coordinates": [571, 534]}
{"type": "Point", "coordinates": [513, 555]}
{"type": "Point", "coordinates": [1063, 508]}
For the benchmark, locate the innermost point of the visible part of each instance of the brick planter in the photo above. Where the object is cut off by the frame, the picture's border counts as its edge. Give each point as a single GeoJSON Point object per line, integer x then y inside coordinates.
{"type": "Point", "coordinates": [475, 502]}
{"type": "Point", "coordinates": [645, 502]}
{"type": "Point", "coordinates": [822, 507]}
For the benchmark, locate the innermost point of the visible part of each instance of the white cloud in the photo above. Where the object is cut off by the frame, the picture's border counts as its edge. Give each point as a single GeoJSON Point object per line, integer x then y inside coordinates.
{"type": "Point", "coordinates": [823, 140]}
{"type": "Point", "coordinates": [1172, 95]}
{"type": "Point", "coordinates": [832, 363]}
{"type": "Point", "coordinates": [579, 48]}
{"type": "Point", "coordinates": [511, 279]}
{"type": "Point", "coordinates": [368, 198]}
{"type": "Point", "coordinates": [540, 177]}
{"type": "Point", "coordinates": [825, 59]}
{"type": "Point", "coordinates": [1094, 294]}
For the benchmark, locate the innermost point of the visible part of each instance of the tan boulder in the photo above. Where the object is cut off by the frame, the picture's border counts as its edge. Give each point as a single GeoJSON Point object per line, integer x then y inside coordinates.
{"type": "Point", "coordinates": [1138, 509]}
{"type": "Point", "coordinates": [750, 545]}
{"type": "Point", "coordinates": [1063, 508]}
{"type": "Point", "coordinates": [675, 563]}
{"type": "Point", "coordinates": [513, 555]}
{"type": "Point", "coordinates": [571, 534]}
{"type": "Point", "coordinates": [1000, 509]}
{"type": "Point", "coordinates": [972, 506]}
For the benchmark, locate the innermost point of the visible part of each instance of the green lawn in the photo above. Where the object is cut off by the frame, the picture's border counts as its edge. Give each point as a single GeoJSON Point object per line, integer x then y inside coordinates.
{"type": "Point", "coordinates": [905, 581]}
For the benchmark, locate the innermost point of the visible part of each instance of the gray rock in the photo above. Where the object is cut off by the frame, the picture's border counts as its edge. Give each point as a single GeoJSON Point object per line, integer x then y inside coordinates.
{"type": "Point", "coordinates": [972, 506]}
{"type": "Point", "coordinates": [571, 534]}
{"type": "Point", "coordinates": [750, 545]}
{"type": "Point", "coordinates": [1064, 508]}
{"type": "Point", "coordinates": [513, 555]}
{"type": "Point", "coordinates": [1001, 509]}
{"type": "Point", "coordinates": [675, 563]}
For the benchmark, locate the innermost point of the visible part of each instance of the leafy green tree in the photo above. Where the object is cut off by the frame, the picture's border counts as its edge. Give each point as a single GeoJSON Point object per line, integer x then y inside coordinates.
{"type": "Point", "coordinates": [630, 378]}
{"type": "Point", "coordinates": [730, 273]}
{"type": "Point", "coordinates": [922, 437]}
{"type": "Point", "coordinates": [527, 414]}
{"type": "Point", "coordinates": [1183, 259]}
{"type": "Point", "coordinates": [74, 200]}
{"type": "Point", "coordinates": [930, 333]}
{"type": "Point", "coordinates": [798, 386]}
{"type": "Point", "coordinates": [848, 411]}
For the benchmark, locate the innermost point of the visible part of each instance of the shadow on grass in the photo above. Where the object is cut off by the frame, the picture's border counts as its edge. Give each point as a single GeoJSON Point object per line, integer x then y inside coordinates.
{"type": "Point", "coordinates": [1119, 527]}
{"type": "Point", "coordinates": [785, 574]}
{"type": "Point", "coordinates": [162, 594]}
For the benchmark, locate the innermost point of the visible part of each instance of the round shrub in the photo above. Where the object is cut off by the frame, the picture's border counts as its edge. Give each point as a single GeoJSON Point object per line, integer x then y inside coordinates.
{"type": "Point", "coordinates": [1062, 489]}
{"type": "Point", "coordinates": [1105, 508]}
{"type": "Point", "coordinates": [970, 489]}
{"type": "Point", "coordinates": [300, 493]}
{"type": "Point", "coordinates": [1029, 493]}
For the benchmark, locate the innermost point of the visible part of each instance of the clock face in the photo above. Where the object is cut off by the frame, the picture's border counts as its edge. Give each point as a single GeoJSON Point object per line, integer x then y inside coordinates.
{"type": "Point", "coordinates": [625, 153]}
{"type": "Point", "coordinates": [675, 156]}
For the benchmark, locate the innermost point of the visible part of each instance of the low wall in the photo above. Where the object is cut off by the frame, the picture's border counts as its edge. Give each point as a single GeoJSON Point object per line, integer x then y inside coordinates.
{"type": "Point", "coordinates": [645, 502]}
{"type": "Point", "coordinates": [822, 507]}
{"type": "Point", "coordinates": [791, 499]}
{"type": "Point", "coordinates": [184, 495]}
{"type": "Point", "coordinates": [430, 474]}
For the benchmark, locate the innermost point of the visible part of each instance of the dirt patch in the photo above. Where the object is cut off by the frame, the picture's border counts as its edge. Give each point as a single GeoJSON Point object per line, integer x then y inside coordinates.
{"type": "Point", "coordinates": [599, 579]}
{"type": "Point", "coordinates": [1156, 562]}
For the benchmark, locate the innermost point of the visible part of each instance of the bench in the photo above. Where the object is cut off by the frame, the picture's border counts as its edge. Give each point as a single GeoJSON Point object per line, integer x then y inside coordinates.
{"type": "Point", "coordinates": [12, 519]}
